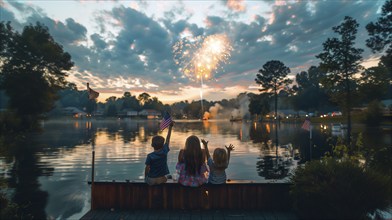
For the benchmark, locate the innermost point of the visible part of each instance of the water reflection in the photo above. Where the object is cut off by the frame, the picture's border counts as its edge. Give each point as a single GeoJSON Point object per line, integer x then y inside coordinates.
{"type": "Point", "coordinates": [49, 171]}
{"type": "Point", "coordinates": [276, 162]}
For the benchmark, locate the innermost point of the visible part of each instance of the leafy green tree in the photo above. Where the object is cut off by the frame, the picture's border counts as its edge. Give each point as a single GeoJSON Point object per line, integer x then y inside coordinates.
{"type": "Point", "coordinates": [177, 108]}
{"type": "Point", "coordinates": [381, 35]}
{"type": "Point", "coordinates": [375, 84]}
{"type": "Point", "coordinates": [273, 78]}
{"type": "Point", "coordinates": [311, 96]}
{"type": "Point", "coordinates": [33, 70]}
{"type": "Point", "coordinates": [111, 106]}
{"type": "Point", "coordinates": [193, 110]}
{"type": "Point", "coordinates": [153, 103]}
{"type": "Point", "coordinates": [342, 60]}
{"type": "Point", "coordinates": [129, 102]}
{"type": "Point", "coordinates": [143, 98]}
{"type": "Point", "coordinates": [259, 104]}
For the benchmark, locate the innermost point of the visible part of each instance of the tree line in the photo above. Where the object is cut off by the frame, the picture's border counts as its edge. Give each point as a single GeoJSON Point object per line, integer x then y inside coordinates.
{"type": "Point", "coordinates": [34, 67]}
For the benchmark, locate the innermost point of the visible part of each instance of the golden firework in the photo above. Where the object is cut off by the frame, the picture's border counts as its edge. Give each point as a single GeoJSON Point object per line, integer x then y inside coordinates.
{"type": "Point", "coordinates": [201, 57]}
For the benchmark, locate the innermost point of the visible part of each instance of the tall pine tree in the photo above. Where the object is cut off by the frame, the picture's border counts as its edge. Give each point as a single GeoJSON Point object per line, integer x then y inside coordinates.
{"type": "Point", "coordinates": [341, 60]}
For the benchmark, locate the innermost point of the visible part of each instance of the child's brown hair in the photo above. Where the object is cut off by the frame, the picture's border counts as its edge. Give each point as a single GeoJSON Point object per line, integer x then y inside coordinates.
{"type": "Point", "coordinates": [157, 142]}
{"type": "Point", "coordinates": [220, 158]}
{"type": "Point", "coordinates": [193, 155]}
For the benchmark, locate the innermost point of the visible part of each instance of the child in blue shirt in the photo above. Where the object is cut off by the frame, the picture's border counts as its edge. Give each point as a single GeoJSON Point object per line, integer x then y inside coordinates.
{"type": "Point", "coordinates": [156, 162]}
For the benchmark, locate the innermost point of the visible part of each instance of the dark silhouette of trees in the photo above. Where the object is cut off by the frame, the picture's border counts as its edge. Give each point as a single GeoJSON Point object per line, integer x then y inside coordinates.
{"type": "Point", "coordinates": [273, 78]}
{"type": "Point", "coordinates": [375, 84]}
{"type": "Point", "coordinates": [310, 95]}
{"type": "Point", "coordinates": [381, 35]}
{"type": "Point", "coordinates": [111, 110]}
{"type": "Point", "coordinates": [143, 98]}
{"type": "Point", "coordinates": [259, 104]}
{"type": "Point", "coordinates": [154, 103]}
{"type": "Point", "coordinates": [341, 61]}
{"type": "Point", "coordinates": [32, 71]}
{"type": "Point", "coordinates": [129, 102]}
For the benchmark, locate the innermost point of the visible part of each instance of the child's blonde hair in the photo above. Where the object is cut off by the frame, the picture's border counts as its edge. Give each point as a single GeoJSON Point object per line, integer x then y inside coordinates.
{"type": "Point", "coordinates": [220, 158]}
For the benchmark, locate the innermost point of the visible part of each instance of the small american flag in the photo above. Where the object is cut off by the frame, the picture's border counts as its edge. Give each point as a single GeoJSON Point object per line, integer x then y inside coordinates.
{"type": "Point", "coordinates": [166, 120]}
{"type": "Point", "coordinates": [306, 125]}
{"type": "Point", "coordinates": [91, 93]}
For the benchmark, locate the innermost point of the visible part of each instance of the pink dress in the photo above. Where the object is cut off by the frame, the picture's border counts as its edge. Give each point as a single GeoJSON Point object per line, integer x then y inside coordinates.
{"type": "Point", "coordinates": [193, 181]}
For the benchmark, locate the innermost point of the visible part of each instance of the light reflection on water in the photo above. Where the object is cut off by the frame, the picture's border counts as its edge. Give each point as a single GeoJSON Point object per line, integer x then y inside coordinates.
{"type": "Point", "coordinates": [61, 155]}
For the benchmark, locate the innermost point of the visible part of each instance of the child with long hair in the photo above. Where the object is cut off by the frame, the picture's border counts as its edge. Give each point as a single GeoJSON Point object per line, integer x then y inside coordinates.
{"type": "Point", "coordinates": [218, 163]}
{"type": "Point", "coordinates": [193, 171]}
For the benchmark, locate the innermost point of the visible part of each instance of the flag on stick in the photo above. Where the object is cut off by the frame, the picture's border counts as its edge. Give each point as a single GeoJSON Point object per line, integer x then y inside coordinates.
{"type": "Point", "coordinates": [306, 125]}
{"type": "Point", "coordinates": [91, 93]}
{"type": "Point", "coordinates": [166, 120]}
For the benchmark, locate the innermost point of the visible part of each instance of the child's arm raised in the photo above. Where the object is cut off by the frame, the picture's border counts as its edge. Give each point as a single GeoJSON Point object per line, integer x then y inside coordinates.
{"type": "Point", "coordinates": [229, 149]}
{"type": "Point", "coordinates": [169, 133]}
{"type": "Point", "coordinates": [205, 143]}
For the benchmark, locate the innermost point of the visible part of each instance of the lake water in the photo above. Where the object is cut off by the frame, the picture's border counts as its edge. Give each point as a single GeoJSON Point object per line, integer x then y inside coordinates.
{"type": "Point", "coordinates": [48, 172]}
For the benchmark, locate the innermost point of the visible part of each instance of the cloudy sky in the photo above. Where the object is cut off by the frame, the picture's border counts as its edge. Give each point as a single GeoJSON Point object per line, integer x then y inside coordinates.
{"type": "Point", "coordinates": [121, 46]}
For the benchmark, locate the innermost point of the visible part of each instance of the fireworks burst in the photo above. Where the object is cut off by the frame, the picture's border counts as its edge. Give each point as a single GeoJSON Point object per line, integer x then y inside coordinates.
{"type": "Point", "coordinates": [201, 57]}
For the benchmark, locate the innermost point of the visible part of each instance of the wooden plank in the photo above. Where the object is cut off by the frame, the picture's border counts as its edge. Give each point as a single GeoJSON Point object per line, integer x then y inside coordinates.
{"type": "Point", "coordinates": [188, 215]}
{"type": "Point", "coordinates": [247, 196]}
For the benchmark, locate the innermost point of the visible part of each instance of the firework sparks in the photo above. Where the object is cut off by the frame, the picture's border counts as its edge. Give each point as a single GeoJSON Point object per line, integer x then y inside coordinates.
{"type": "Point", "coordinates": [201, 57]}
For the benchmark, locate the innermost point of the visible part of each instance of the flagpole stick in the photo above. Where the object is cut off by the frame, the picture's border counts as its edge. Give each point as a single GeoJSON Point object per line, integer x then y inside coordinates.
{"type": "Point", "coordinates": [310, 142]}
{"type": "Point", "coordinates": [201, 96]}
{"type": "Point", "coordinates": [92, 175]}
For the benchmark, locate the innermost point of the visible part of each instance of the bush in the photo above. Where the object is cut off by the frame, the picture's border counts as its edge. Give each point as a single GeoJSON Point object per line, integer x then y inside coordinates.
{"type": "Point", "coordinates": [8, 209]}
{"type": "Point", "coordinates": [332, 189]}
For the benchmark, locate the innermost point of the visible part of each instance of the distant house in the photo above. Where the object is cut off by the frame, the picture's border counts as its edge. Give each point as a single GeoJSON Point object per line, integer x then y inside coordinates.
{"type": "Point", "coordinates": [74, 112]}
{"type": "Point", "coordinates": [283, 113]}
{"type": "Point", "coordinates": [150, 113]}
{"type": "Point", "coordinates": [387, 107]}
{"type": "Point", "coordinates": [127, 113]}
{"type": "Point", "coordinates": [98, 113]}
{"type": "Point", "coordinates": [387, 103]}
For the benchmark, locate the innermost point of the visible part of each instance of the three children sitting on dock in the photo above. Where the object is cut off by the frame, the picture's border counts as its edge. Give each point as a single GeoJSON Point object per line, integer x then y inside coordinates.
{"type": "Point", "coordinates": [192, 168]}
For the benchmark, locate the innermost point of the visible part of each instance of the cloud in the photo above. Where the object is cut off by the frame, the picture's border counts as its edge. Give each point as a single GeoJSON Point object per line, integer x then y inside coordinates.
{"type": "Point", "coordinates": [132, 49]}
{"type": "Point", "coordinates": [99, 43]}
{"type": "Point", "coordinates": [236, 5]}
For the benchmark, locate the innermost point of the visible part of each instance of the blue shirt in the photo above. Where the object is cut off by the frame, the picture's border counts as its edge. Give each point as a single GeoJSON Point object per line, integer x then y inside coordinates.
{"type": "Point", "coordinates": [157, 161]}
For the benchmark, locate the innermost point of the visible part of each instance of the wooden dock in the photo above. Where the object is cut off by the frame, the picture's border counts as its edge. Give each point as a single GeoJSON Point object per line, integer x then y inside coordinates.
{"type": "Point", "coordinates": [188, 215]}
{"type": "Point", "coordinates": [233, 200]}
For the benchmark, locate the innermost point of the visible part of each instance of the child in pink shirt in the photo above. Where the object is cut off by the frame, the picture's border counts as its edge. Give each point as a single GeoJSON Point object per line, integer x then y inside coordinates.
{"type": "Point", "coordinates": [193, 171]}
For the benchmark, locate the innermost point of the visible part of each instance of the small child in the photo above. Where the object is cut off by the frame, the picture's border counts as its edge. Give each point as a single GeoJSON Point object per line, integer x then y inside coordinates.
{"type": "Point", "coordinates": [156, 163]}
{"type": "Point", "coordinates": [218, 163]}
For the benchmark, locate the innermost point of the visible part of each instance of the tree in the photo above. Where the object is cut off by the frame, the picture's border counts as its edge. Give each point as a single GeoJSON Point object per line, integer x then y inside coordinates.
{"type": "Point", "coordinates": [129, 102]}
{"type": "Point", "coordinates": [381, 35]}
{"type": "Point", "coordinates": [375, 84]}
{"type": "Point", "coordinates": [310, 95]}
{"type": "Point", "coordinates": [341, 61]}
{"type": "Point", "coordinates": [154, 103]}
{"type": "Point", "coordinates": [259, 104]}
{"type": "Point", "coordinates": [143, 98]}
{"type": "Point", "coordinates": [33, 70]}
{"type": "Point", "coordinates": [273, 78]}
{"type": "Point", "coordinates": [111, 109]}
